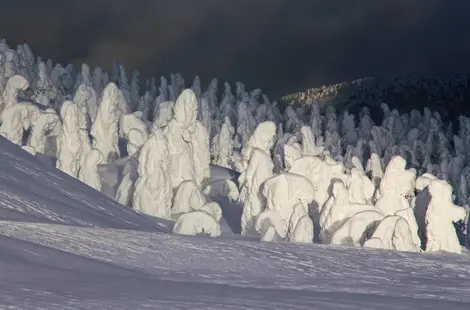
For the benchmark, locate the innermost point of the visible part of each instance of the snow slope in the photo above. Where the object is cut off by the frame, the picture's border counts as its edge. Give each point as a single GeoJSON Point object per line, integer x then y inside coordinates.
{"type": "Point", "coordinates": [33, 191]}
{"type": "Point", "coordinates": [56, 266]}
{"type": "Point", "coordinates": [65, 246]}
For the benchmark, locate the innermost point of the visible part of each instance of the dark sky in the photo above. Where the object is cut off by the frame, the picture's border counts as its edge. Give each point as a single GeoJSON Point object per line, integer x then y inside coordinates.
{"type": "Point", "coordinates": [280, 46]}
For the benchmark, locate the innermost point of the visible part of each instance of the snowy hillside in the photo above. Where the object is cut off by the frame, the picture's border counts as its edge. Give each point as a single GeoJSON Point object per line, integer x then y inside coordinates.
{"type": "Point", "coordinates": [34, 191]}
{"type": "Point", "coordinates": [101, 176]}
{"type": "Point", "coordinates": [446, 94]}
{"type": "Point", "coordinates": [65, 267]}
{"type": "Point", "coordinates": [120, 263]}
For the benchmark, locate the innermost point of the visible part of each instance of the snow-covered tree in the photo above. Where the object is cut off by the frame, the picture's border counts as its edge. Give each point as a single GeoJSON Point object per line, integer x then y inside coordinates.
{"type": "Point", "coordinates": [87, 99]}
{"type": "Point", "coordinates": [179, 133]}
{"type": "Point", "coordinates": [392, 233]}
{"type": "Point", "coordinates": [222, 145]}
{"type": "Point", "coordinates": [69, 145]}
{"type": "Point", "coordinates": [89, 170]}
{"type": "Point", "coordinates": [135, 89]}
{"type": "Point", "coordinates": [45, 92]}
{"type": "Point", "coordinates": [263, 138]}
{"type": "Point", "coordinates": [104, 129]}
{"type": "Point", "coordinates": [131, 121]}
{"type": "Point", "coordinates": [259, 169]}
{"type": "Point", "coordinates": [135, 140]}
{"type": "Point", "coordinates": [352, 231]}
{"type": "Point", "coordinates": [13, 87]}
{"type": "Point", "coordinates": [164, 114]}
{"type": "Point", "coordinates": [301, 228]}
{"type": "Point", "coordinates": [16, 120]}
{"type": "Point", "coordinates": [47, 125]}
{"type": "Point", "coordinates": [200, 146]}
{"type": "Point", "coordinates": [197, 223]}
{"type": "Point", "coordinates": [227, 105]}
{"type": "Point", "coordinates": [145, 106]}
{"type": "Point", "coordinates": [246, 122]}
{"type": "Point", "coordinates": [439, 214]}
{"type": "Point", "coordinates": [153, 192]}
{"type": "Point", "coordinates": [338, 216]}
{"type": "Point", "coordinates": [339, 196]}
{"type": "Point", "coordinates": [222, 188]}
{"type": "Point", "coordinates": [188, 198]}
{"type": "Point", "coordinates": [283, 192]}
{"type": "Point", "coordinates": [269, 226]}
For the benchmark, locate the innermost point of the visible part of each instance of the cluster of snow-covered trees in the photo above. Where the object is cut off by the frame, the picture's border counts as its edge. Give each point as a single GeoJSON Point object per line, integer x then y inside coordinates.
{"type": "Point", "coordinates": [305, 175]}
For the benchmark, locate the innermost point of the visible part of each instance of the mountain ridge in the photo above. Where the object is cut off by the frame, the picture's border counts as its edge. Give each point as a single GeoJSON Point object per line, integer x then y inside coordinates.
{"type": "Point", "coordinates": [445, 93]}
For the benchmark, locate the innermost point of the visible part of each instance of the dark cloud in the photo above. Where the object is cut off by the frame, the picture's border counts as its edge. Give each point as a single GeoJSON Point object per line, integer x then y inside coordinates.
{"type": "Point", "coordinates": [278, 45]}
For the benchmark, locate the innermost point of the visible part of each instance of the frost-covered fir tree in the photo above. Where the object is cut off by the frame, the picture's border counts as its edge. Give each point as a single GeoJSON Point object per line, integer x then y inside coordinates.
{"type": "Point", "coordinates": [153, 189]}
{"type": "Point", "coordinates": [69, 145]}
{"type": "Point", "coordinates": [222, 145]}
{"type": "Point", "coordinates": [104, 129]}
{"type": "Point", "coordinates": [179, 134]}
{"type": "Point", "coordinates": [47, 125]}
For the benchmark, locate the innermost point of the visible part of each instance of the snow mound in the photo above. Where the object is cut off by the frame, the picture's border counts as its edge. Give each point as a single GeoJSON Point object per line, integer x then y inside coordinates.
{"type": "Point", "coordinates": [197, 223]}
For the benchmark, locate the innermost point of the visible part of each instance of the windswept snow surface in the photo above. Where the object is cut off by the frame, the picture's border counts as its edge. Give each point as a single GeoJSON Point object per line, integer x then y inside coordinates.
{"type": "Point", "coordinates": [56, 266]}
{"type": "Point", "coordinates": [33, 191]}
{"type": "Point", "coordinates": [65, 246]}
